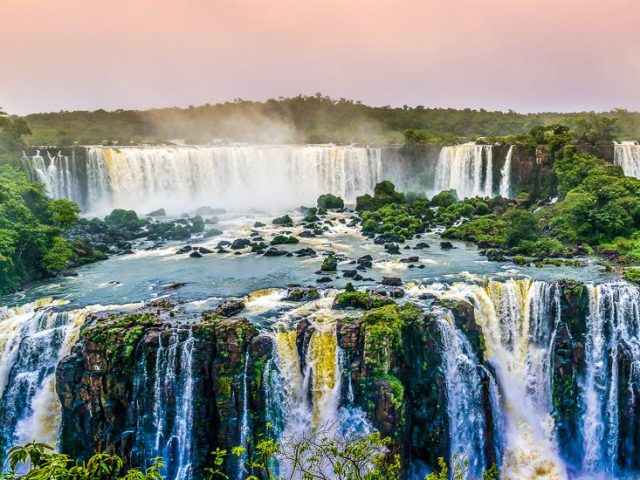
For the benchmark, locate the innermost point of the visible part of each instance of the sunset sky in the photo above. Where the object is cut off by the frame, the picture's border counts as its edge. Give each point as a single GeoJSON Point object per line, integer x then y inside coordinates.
{"type": "Point", "coordinates": [529, 55]}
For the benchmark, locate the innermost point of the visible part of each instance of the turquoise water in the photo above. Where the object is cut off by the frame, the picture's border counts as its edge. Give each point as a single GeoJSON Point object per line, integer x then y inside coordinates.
{"type": "Point", "coordinates": [147, 274]}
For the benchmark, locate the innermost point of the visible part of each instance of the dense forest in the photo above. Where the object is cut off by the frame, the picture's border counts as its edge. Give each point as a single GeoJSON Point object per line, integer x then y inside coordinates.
{"type": "Point", "coordinates": [300, 119]}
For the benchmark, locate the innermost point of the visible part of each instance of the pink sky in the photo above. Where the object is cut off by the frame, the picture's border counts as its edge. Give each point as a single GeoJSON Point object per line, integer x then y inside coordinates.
{"type": "Point", "coordinates": [530, 55]}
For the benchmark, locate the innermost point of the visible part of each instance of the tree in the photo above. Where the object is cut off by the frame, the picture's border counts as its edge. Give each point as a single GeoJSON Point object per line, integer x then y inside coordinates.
{"type": "Point", "coordinates": [64, 213]}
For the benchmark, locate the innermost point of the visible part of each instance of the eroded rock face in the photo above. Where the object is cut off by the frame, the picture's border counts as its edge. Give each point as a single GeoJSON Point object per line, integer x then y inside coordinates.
{"type": "Point", "coordinates": [110, 383]}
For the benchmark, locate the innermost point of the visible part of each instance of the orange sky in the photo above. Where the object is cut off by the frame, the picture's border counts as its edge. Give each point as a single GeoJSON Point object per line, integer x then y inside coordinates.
{"type": "Point", "coordinates": [530, 55]}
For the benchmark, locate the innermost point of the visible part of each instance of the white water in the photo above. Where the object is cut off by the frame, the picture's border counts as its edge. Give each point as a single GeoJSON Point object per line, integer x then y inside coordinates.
{"type": "Point", "coordinates": [33, 339]}
{"type": "Point", "coordinates": [229, 176]}
{"type": "Point", "coordinates": [505, 175]}
{"type": "Point", "coordinates": [58, 174]}
{"type": "Point", "coordinates": [464, 398]}
{"type": "Point", "coordinates": [627, 156]}
{"type": "Point", "coordinates": [467, 169]}
{"type": "Point", "coordinates": [167, 432]}
{"type": "Point", "coordinates": [613, 323]}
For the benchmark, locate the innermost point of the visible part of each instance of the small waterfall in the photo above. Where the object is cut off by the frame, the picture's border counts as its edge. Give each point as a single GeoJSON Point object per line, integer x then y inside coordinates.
{"type": "Point", "coordinates": [165, 423]}
{"type": "Point", "coordinates": [33, 339]}
{"type": "Point", "coordinates": [58, 173]}
{"type": "Point", "coordinates": [505, 175]}
{"type": "Point", "coordinates": [464, 402]}
{"type": "Point", "coordinates": [467, 169]}
{"type": "Point", "coordinates": [613, 331]}
{"type": "Point", "coordinates": [229, 176]}
{"type": "Point", "coordinates": [627, 156]}
{"type": "Point", "coordinates": [245, 428]}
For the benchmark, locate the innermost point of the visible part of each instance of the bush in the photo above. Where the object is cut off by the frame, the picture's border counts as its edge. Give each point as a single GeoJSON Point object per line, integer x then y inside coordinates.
{"type": "Point", "coordinates": [284, 221]}
{"type": "Point", "coordinates": [444, 198]}
{"type": "Point", "coordinates": [329, 201]}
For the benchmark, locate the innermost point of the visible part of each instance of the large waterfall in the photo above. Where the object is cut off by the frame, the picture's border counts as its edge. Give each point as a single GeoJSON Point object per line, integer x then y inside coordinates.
{"type": "Point", "coordinates": [228, 176]}
{"type": "Point", "coordinates": [627, 156]}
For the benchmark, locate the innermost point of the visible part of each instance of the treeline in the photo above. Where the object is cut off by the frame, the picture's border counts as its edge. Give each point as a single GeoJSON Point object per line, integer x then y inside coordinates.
{"type": "Point", "coordinates": [300, 119]}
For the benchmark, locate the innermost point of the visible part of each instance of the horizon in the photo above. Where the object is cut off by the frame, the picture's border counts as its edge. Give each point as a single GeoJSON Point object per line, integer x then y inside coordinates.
{"type": "Point", "coordinates": [531, 57]}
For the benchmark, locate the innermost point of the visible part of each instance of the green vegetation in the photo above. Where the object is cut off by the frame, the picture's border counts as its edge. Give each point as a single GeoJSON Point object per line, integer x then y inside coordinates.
{"type": "Point", "coordinates": [284, 221]}
{"type": "Point", "coordinates": [329, 264]}
{"type": "Point", "coordinates": [363, 300]}
{"type": "Point", "coordinates": [284, 240]}
{"type": "Point", "coordinates": [329, 201]}
{"type": "Point", "coordinates": [384, 193]}
{"type": "Point", "coordinates": [310, 119]}
{"type": "Point", "coordinates": [41, 462]}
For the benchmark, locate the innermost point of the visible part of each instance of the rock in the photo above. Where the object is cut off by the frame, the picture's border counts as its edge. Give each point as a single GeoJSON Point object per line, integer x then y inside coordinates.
{"type": "Point", "coordinates": [365, 261]}
{"type": "Point", "coordinates": [204, 250]}
{"type": "Point", "coordinates": [212, 232]}
{"type": "Point", "coordinates": [330, 264]}
{"type": "Point", "coordinates": [392, 248]}
{"type": "Point", "coordinates": [157, 213]}
{"type": "Point", "coordinates": [410, 260]}
{"type": "Point", "coordinates": [305, 252]}
{"type": "Point", "coordinates": [349, 273]}
{"type": "Point", "coordinates": [306, 234]}
{"type": "Point", "coordinates": [258, 225]}
{"type": "Point", "coordinates": [240, 243]}
{"type": "Point", "coordinates": [228, 308]}
{"type": "Point", "coordinates": [222, 250]}
{"type": "Point", "coordinates": [324, 280]}
{"type": "Point", "coordinates": [391, 281]}
{"type": "Point", "coordinates": [69, 273]}
{"type": "Point", "coordinates": [284, 221]}
{"type": "Point", "coordinates": [185, 249]}
{"type": "Point", "coordinates": [195, 254]}
{"type": "Point", "coordinates": [329, 201]}
{"type": "Point", "coordinates": [301, 294]}
{"type": "Point", "coordinates": [446, 245]}
{"type": "Point", "coordinates": [421, 245]}
{"type": "Point", "coordinates": [274, 252]}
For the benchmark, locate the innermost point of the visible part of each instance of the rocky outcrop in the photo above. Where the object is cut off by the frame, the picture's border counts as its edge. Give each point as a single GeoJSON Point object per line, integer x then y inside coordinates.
{"type": "Point", "coordinates": [109, 384]}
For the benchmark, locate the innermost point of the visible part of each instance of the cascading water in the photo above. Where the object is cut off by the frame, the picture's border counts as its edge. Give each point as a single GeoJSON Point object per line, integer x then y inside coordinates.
{"type": "Point", "coordinates": [613, 333]}
{"type": "Point", "coordinates": [467, 169]}
{"type": "Point", "coordinates": [245, 427]}
{"type": "Point", "coordinates": [518, 325]}
{"type": "Point", "coordinates": [230, 176]}
{"type": "Point", "coordinates": [165, 420]}
{"type": "Point", "coordinates": [627, 156]}
{"type": "Point", "coordinates": [464, 402]}
{"type": "Point", "coordinates": [505, 175]}
{"type": "Point", "coordinates": [59, 173]}
{"type": "Point", "coordinates": [33, 339]}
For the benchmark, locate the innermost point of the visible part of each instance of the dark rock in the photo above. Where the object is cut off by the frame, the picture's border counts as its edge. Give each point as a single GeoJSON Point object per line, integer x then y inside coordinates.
{"type": "Point", "coordinates": [274, 252]}
{"type": "Point", "coordinates": [391, 281]}
{"type": "Point", "coordinates": [421, 245]}
{"type": "Point", "coordinates": [324, 280]}
{"type": "Point", "coordinates": [306, 234]}
{"type": "Point", "coordinates": [69, 273]}
{"type": "Point", "coordinates": [305, 252]}
{"type": "Point", "coordinates": [365, 261]}
{"type": "Point", "coordinates": [240, 243]}
{"type": "Point", "coordinates": [258, 225]}
{"type": "Point", "coordinates": [157, 213]}
{"type": "Point", "coordinates": [195, 254]}
{"type": "Point", "coordinates": [410, 260]}
{"type": "Point", "coordinates": [185, 249]}
{"type": "Point", "coordinates": [446, 245]}
{"type": "Point", "coordinates": [349, 273]}
{"type": "Point", "coordinates": [301, 294]}
{"type": "Point", "coordinates": [204, 250]}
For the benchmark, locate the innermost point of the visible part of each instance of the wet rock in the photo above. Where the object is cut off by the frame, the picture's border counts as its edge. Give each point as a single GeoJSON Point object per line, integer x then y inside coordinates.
{"type": "Point", "coordinates": [446, 245]}
{"type": "Point", "coordinates": [227, 308]}
{"type": "Point", "coordinates": [421, 246]}
{"type": "Point", "coordinates": [195, 254]}
{"type": "Point", "coordinates": [69, 273]}
{"type": "Point", "coordinates": [301, 294]}
{"type": "Point", "coordinates": [240, 243]}
{"type": "Point", "coordinates": [185, 249]}
{"type": "Point", "coordinates": [258, 225]}
{"type": "Point", "coordinates": [204, 250]}
{"type": "Point", "coordinates": [161, 212]}
{"type": "Point", "coordinates": [306, 234]}
{"type": "Point", "coordinates": [324, 280]}
{"type": "Point", "coordinates": [305, 252]}
{"type": "Point", "coordinates": [365, 261]}
{"type": "Point", "coordinates": [212, 232]}
{"type": "Point", "coordinates": [392, 248]}
{"type": "Point", "coordinates": [349, 273]}
{"type": "Point", "coordinates": [274, 252]}
{"type": "Point", "coordinates": [410, 260]}
{"type": "Point", "coordinates": [391, 281]}
{"type": "Point", "coordinates": [223, 243]}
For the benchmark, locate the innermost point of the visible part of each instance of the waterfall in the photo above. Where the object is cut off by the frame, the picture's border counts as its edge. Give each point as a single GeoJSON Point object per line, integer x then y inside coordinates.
{"type": "Point", "coordinates": [229, 176]}
{"type": "Point", "coordinates": [244, 420]}
{"type": "Point", "coordinates": [58, 173]}
{"type": "Point", "coordinates": [464, 401]}
{"type": "Point", "coordinates": [613, 331]}
{"type": "Point", "coordinates": [33, 338]}
{"type": "Point", "coordinates": [505, 175]}
{"type": "Point", "coordinates": [627, 156]}
{"type": "Point", "coordinates": [518, 325]}
{"type": "Point", "coordinates": [165, 426]}
{"type": "Point", "coordinates": [467, 169]}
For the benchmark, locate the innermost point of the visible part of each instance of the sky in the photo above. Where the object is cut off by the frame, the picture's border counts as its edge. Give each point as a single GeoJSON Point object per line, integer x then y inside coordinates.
{"type": "Point", "coordinates": [526, 55]}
